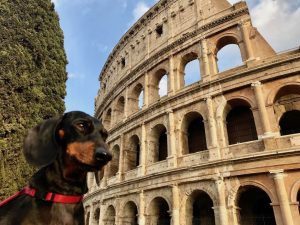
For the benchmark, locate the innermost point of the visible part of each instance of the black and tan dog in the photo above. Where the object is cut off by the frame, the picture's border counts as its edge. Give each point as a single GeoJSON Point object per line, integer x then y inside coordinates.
{"type": "Point", "coordinates": [64, 149]}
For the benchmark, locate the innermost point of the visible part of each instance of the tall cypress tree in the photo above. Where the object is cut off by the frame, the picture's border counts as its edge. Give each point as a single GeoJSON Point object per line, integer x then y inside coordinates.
{"type": "Point", "coordinates": [32, 80]}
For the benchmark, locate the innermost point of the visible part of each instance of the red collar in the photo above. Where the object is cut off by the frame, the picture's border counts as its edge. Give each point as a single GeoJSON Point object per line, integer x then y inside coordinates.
{"type": "Point", "coordinates": [50, 197]}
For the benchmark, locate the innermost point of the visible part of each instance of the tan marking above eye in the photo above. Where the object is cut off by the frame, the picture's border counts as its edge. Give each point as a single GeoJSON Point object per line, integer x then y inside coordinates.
{"type": "Point", "coordinates": [61, 133]}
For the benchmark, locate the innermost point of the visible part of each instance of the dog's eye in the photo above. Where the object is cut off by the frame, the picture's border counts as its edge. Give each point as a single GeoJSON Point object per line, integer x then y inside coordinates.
{"type": "Point", "coordinates": [84, 127]}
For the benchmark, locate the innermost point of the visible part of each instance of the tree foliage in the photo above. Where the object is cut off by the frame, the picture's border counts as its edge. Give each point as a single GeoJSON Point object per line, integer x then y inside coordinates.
{"type": "Point", "coordinates": [32, 80]}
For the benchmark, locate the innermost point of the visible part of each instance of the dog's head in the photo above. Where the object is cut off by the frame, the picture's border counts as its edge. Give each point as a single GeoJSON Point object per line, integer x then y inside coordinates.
{"type": "Point", "coordinates": [76, 137]}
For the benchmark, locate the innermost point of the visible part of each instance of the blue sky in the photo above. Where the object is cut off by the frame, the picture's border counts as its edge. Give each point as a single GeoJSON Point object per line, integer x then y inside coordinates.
{"type": "Point", "coordinates": [93, 27]}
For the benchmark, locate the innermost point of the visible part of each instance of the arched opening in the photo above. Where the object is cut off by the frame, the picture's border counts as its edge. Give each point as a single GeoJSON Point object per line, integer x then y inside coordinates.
{"type": "Point", "coordinates": [193, 133]}
{"type": "Point", "coordinates": [141, 100]}
{"type": "Point", "coordinates": [136, 99]}
{"type": "Point", "coordinates": [191, 67]}
{"type": "Point", "coordinates": [158, 144]}
{"type": "Point", "coordinates": [119, 110]}
{"type": "Point", "coordinates": [110, 216]}
{"type": "Point", "coordinates": [228, 53]}
{"type": "Point", "coordinates": [159, 212]}
{"type": "Point", "coordinates": [163, 86]}
{"type": "Point", "coordinates": [130, 214]}
{"type": "Point", "coordinates": [255, 207]}
{"type": "Point", "coordinates": [114, 163]}
{"type": "Point", "coordinates": [97, 215]}
{"type": "Point", "coordinates": [200, 209]}
{"type": "Point", "coordinates": [290, 122]}
{"type": "Point", "coordinates": [133, 153]}
{"type": "Point", "coordinates": [107, 119]}
{"type": "Point", "coordinates": [240, 124]}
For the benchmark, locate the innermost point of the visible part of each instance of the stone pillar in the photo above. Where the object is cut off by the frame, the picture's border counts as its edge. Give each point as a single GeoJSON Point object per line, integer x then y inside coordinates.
{"type": "Point", "coordinates": [126, 106]}
{"type": "Point", "coordinates": [221, 209]}
{"type": "Point", "coordinates": [245, 32]}
{"type": "Point", "coordinates": [120, 173]}
{"type": "Point", "coordinates": [91, 220]}
{"type": "Point", "coordinates": [211, 123]}
{"type": "Point", "coordinates": [204, 58]}
{"type": "Point", "coordinates": [176, 205]}
{"type": "Point", "coordinates": [257, 87]}
{"type": "Point", "coordinates": [172, 154]}
{"type": "Point", "coordinates": [143, 152]}
{"type": "Point", "coordinates": [142, 218]}
{"type": "Point", "coordinates": [146, 90]}
{"type": "Point", "coordinates": [278, 177]}
{"type": "Point", "coordinates": [172, 76]}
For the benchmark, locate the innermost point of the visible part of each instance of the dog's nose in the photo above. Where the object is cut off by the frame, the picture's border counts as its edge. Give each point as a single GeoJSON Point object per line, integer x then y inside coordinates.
{"type": "Point", "coordinates": [102, 155]}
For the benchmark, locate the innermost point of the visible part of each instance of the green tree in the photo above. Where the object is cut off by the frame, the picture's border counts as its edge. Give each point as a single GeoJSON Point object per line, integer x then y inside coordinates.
{"type": "Point", "coordinates": [32, 80]}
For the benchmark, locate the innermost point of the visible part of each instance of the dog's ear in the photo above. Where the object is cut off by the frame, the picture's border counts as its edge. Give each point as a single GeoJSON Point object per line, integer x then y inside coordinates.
{"type": "Point", "coordinates": [40, 145]}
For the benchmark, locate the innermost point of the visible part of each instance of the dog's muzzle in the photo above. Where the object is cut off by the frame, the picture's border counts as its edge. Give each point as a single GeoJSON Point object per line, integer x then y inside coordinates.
{"type": "Point", "coordinates": [102, 155]}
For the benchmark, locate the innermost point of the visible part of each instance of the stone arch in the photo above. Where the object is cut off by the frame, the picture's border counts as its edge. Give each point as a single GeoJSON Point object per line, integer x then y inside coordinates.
{"type": "Point", "coordinates": [96, 215]}
{"type": "Point", "coordinates": [280, 90]}
{"type": "Point", "coordinates": [159, 211]}
{"type": "Point", "coordinates": [110, 215]}
{"type": "Point", "coordinates": [240, 122]}
{"type": "Point", "coordinates": [286, 105]}
{"type": "Point", "coordinates": [114, 163]}
{"type": "Point", "coordinates": [199, 208]}
{"type": "Point", "coordinates": [107, 119]}
{"type": "Point", "coordinates": [132, 155]}
{"type": "Point", "coordinates": [186, 59]}
{"type": "Point", "coordinates": [234, 191]}
{"type": "Point", "coordinates": [157, 77]}
{"type": "Point", "coordinates": [226, 40]}
{"type": "Point", "coordinates": [135, 100]}
{"type": "Point", "coordinates": [158, 143]}
{"type": "Point", "coordinates": [254, 206]}
{"type": "Point", "coordinates": [119, 110]}
{"type": "Point", "coordinates": [130, 214]}
{"type": "Point", "coordinates": [295, 194]}
{"type": "Point", "coordinates": [193, 133]}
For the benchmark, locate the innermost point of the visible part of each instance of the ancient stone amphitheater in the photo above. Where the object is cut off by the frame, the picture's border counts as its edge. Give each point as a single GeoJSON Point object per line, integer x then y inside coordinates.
{"type": "Point", "coordinates": [221, 150]}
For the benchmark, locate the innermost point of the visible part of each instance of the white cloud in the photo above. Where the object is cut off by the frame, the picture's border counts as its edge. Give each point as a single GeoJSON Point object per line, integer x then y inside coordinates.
{"type": "Point", "coordinates": [76, 76]}
{"type": "Point", "coordinates": [278, 22]}
{"type": "Point", "coordinates": [139, 10]}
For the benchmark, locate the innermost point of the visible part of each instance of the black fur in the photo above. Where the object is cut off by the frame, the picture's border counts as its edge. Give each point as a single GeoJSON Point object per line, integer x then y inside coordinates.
{"type": "Point", "coordinates": [53, 146]}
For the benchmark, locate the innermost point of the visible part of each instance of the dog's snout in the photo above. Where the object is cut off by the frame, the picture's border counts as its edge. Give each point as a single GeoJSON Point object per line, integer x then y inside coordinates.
{"type": "Point", "coordinates": [101, 154]}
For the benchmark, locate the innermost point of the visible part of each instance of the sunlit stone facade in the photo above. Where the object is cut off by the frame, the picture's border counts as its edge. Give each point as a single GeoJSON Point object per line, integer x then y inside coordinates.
{"type": "Point", "coordinates": [224, 150]}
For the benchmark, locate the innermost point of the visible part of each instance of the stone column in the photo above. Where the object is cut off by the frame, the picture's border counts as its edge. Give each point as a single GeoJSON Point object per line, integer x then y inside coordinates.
{"type": "Point", "coordinates": [143, 152]}
{"type": "Point", "coordinates": [278, 177]}
{"type": "Point", "coordinates": [176, 205]}
{"type": "Point", "coordinates": [172, 158]}
{"type": "Point", "coordinates": [120, 173]}
{"type": "Point", "coordinates": [257, 87]}
{"type": "Point", "coordinates": [211, 123]}
{"type": "Point", "coordinates": [245, 32]}
{"type": "Point", "coordinates": [142, 218]}
{"type": "Point", "coordinates": [221, 209]}
{"type": "Point", "coordinates": [204, 58]}
{"type": "Point", "coordinates": [172, 75]}
{"type": "Point", "coordinates": [146, 90]}
{"type": "Point", "coordinates": [91, 220]}
{"type": "Point", "coordinates": [126, 106]}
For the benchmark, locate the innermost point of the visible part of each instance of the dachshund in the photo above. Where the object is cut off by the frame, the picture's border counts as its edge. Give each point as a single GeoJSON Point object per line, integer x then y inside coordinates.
{"type": "Point", "coordinates": [64, 149]}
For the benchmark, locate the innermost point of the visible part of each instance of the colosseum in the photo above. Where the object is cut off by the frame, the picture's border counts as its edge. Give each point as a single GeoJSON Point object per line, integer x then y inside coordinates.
{"type": "Point", "coordinates": [221, 150]}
